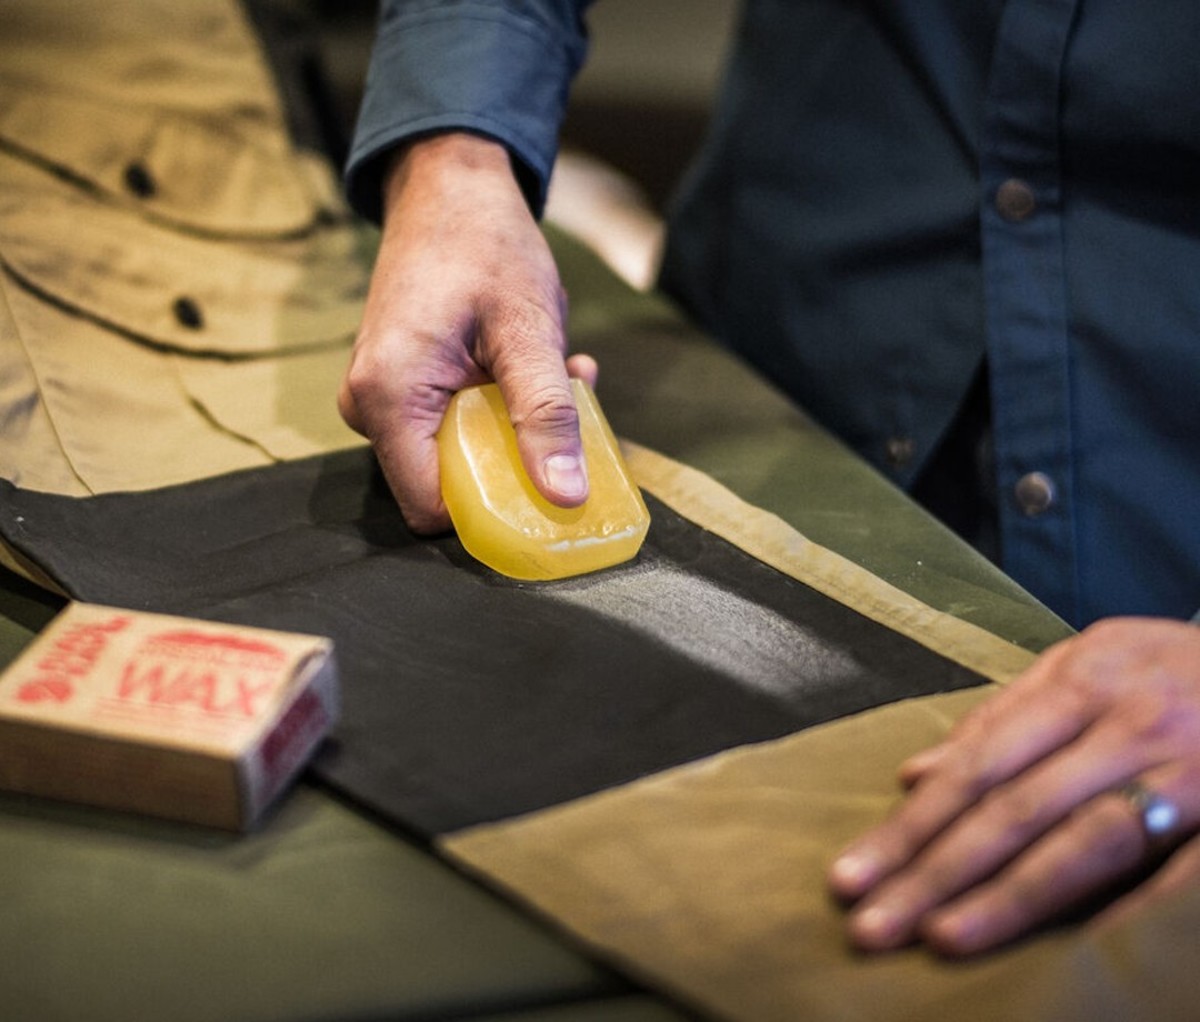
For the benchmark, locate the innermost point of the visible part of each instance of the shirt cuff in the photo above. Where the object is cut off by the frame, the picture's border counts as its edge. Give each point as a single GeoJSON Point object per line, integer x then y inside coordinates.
{"type": "Point", "coordinates": [470, 66]}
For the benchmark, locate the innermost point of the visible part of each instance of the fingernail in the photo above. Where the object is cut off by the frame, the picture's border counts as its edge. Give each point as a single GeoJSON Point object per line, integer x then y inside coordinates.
{"type": "Point", "coordinates": [876, 927]}
{"type": "Point", "coordinates": [960, 932]}
{"type": "Point", "coordinates": [854, 872]}
{"type": "Point", "coordinates": [565, 474]}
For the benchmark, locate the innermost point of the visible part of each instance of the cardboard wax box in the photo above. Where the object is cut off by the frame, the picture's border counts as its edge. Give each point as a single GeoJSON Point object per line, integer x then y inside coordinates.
{"type": "Point", "coordinates": [173, 717]}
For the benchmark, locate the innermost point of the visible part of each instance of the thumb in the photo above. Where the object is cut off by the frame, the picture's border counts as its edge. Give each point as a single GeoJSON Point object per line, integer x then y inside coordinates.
{"type": "Point", "coordinates": [542, 408]}
{"type": "Point", "coordinates": [548, 435]}
{"type": "Point", "coordinates": [522, 343]}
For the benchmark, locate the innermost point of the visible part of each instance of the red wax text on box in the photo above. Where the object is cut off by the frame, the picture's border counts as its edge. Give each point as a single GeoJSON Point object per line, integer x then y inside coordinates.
{"type": "Point", "coordinates": [220, 675]}
{"type": "Point", "coordinates": [69, 660]}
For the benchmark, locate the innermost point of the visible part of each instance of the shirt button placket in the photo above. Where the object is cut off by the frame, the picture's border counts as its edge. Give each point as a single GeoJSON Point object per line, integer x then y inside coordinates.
{"type": "Point", "coordinates": [1025, 288]}
{"type": "Point", "coordinates": [1035, 492]}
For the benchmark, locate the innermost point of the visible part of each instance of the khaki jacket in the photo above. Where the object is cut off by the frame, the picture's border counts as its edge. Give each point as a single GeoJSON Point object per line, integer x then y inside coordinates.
{"type": "Point", "coordinates": [179, 284]}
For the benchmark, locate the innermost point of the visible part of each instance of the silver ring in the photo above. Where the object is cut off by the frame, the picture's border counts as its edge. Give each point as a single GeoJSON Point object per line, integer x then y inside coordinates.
{"type": "Point", "coordinates": [1158, 815]}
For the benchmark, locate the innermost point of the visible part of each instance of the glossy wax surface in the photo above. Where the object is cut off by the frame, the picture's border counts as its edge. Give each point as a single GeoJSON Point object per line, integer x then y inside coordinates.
{"type": "Point", "coordinates": [505, 523]}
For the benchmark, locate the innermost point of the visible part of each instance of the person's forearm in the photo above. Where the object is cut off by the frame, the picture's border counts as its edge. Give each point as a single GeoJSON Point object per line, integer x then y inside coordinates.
{"type": "Point", "coordinates": [500, 72]}
{"type": "Point", "coordinates": [449, 159]}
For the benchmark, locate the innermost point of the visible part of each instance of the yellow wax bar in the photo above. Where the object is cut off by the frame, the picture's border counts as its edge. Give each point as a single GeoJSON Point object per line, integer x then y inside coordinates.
{"type": "Point", "coordinates": [505, 523]}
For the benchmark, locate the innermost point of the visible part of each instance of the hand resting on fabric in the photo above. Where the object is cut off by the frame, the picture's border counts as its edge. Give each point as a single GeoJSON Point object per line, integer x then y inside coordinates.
{"type": "Point", "coordinates": [1019, 816]}
{"type": "Point", "coordinates": [464, 291]}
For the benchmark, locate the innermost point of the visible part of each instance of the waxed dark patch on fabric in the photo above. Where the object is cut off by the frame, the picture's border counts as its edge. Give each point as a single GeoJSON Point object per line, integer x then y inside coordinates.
{"type": "Point", "coordinates": [468, 697]}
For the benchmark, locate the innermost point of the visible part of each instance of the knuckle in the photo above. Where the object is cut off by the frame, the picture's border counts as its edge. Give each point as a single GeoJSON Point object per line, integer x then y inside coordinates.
{"type": "Point", "coordinates": [548, 409]}
{"type": "Point", "coordinates": [964, 781]}
{"type": "Point", "coordinates": [366, 377]}
{"type": "Point", "coordinates": [1073, 700]}
{"type": "Point", "coordinates": [1077, 695]}
{"type": "Point", "coordinates": [1159, 719]}
{"type": "Point", "coordinates": [527, 317]}
{"type": "Point", "coordinates": [1015, 810]}
{"type": "Point", "coordinates": [1151, 721]}
{"type": "Point", "coordinates": [422, 519]}
{"type": "Point", "coordinates": [1110, 831]}
{"type": "Point", "coordinates": [348, 408]}
{"type": "Point", "coordinates": [409, 381]}
{"type": "Point", "coordinates": [1024, 890]}
{"type": "Point", "coordinates": [1105, 629]}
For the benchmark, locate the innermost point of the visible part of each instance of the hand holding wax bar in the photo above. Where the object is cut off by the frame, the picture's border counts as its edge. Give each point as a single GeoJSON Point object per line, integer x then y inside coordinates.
{"type": "Point", "coordinates": [505, 523]}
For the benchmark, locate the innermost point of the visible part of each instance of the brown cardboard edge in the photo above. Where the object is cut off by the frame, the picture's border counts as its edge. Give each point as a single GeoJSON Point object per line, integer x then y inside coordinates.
{"type": "Point", "coordinates": [301, 723]}
{"type": "Point", "coordinates": [189, 787]}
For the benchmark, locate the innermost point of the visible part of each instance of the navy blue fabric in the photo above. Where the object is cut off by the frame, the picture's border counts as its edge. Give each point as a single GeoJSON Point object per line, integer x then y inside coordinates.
{"type": "Point", "coordinates": [840, 230]}
{"type": "Point", "coordinates": [496, 69]}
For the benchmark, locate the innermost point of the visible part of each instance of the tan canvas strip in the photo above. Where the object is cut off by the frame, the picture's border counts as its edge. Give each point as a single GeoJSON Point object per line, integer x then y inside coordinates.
{"type": "Point", "coordinates": [708, 881]}
{"type": "Point", "coordinates": [771, 540]}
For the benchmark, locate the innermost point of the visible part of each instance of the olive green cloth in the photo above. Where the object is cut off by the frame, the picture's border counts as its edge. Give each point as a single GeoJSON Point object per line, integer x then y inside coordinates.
{"type": "Point", "coordinates": [321, 915]}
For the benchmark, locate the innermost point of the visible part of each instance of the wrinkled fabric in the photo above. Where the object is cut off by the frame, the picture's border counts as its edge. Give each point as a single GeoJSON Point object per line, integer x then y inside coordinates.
{"type": "Point", "coordinates": [177, 278]}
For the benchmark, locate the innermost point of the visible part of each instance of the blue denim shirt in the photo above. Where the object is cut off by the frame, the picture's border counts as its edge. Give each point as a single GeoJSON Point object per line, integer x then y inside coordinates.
{"type": "Point", "coordinates": [896, 192]}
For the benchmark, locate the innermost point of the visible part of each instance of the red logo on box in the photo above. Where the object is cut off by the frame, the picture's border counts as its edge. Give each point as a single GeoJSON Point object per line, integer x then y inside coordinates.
{"type": "Point", "coordinates": [69, 660]}
{"type": "Point", "coordinates": [222, 675]}
{"type": "Point", "coordinates": [46, 689]}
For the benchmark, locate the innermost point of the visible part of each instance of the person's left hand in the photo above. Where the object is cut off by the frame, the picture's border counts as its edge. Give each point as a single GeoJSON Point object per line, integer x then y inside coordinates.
{"type": "Point", "coordinates": [1019, 815]}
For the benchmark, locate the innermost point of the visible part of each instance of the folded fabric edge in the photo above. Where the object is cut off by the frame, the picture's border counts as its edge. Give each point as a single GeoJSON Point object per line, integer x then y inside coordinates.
{"type": "Point", "coordinates": [26, 569]}
{"type": "Point", "coordinates": [770, 539]}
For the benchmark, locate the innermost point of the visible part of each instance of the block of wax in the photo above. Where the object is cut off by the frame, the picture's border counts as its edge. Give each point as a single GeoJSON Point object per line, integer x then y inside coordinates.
{"type": "Point", "coordinates": [505, 523]}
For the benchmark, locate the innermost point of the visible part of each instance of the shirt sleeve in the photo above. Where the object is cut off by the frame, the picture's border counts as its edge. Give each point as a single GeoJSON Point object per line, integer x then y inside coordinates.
{"type": "Point", "coordinates": [498, 68]}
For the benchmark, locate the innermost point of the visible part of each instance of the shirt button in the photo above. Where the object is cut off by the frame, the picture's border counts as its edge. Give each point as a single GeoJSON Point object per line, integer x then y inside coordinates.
{"type": "Point", "coordinates": [1035, 493]}
{"type": "Point", "coordinates": [140, 181]}
{"type": "Point", "coordinates": [899, 450]}
{"type": "Point", "coordinates": [188, 313]}
{"type": "Point", "coordinates": [1015, 200]}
